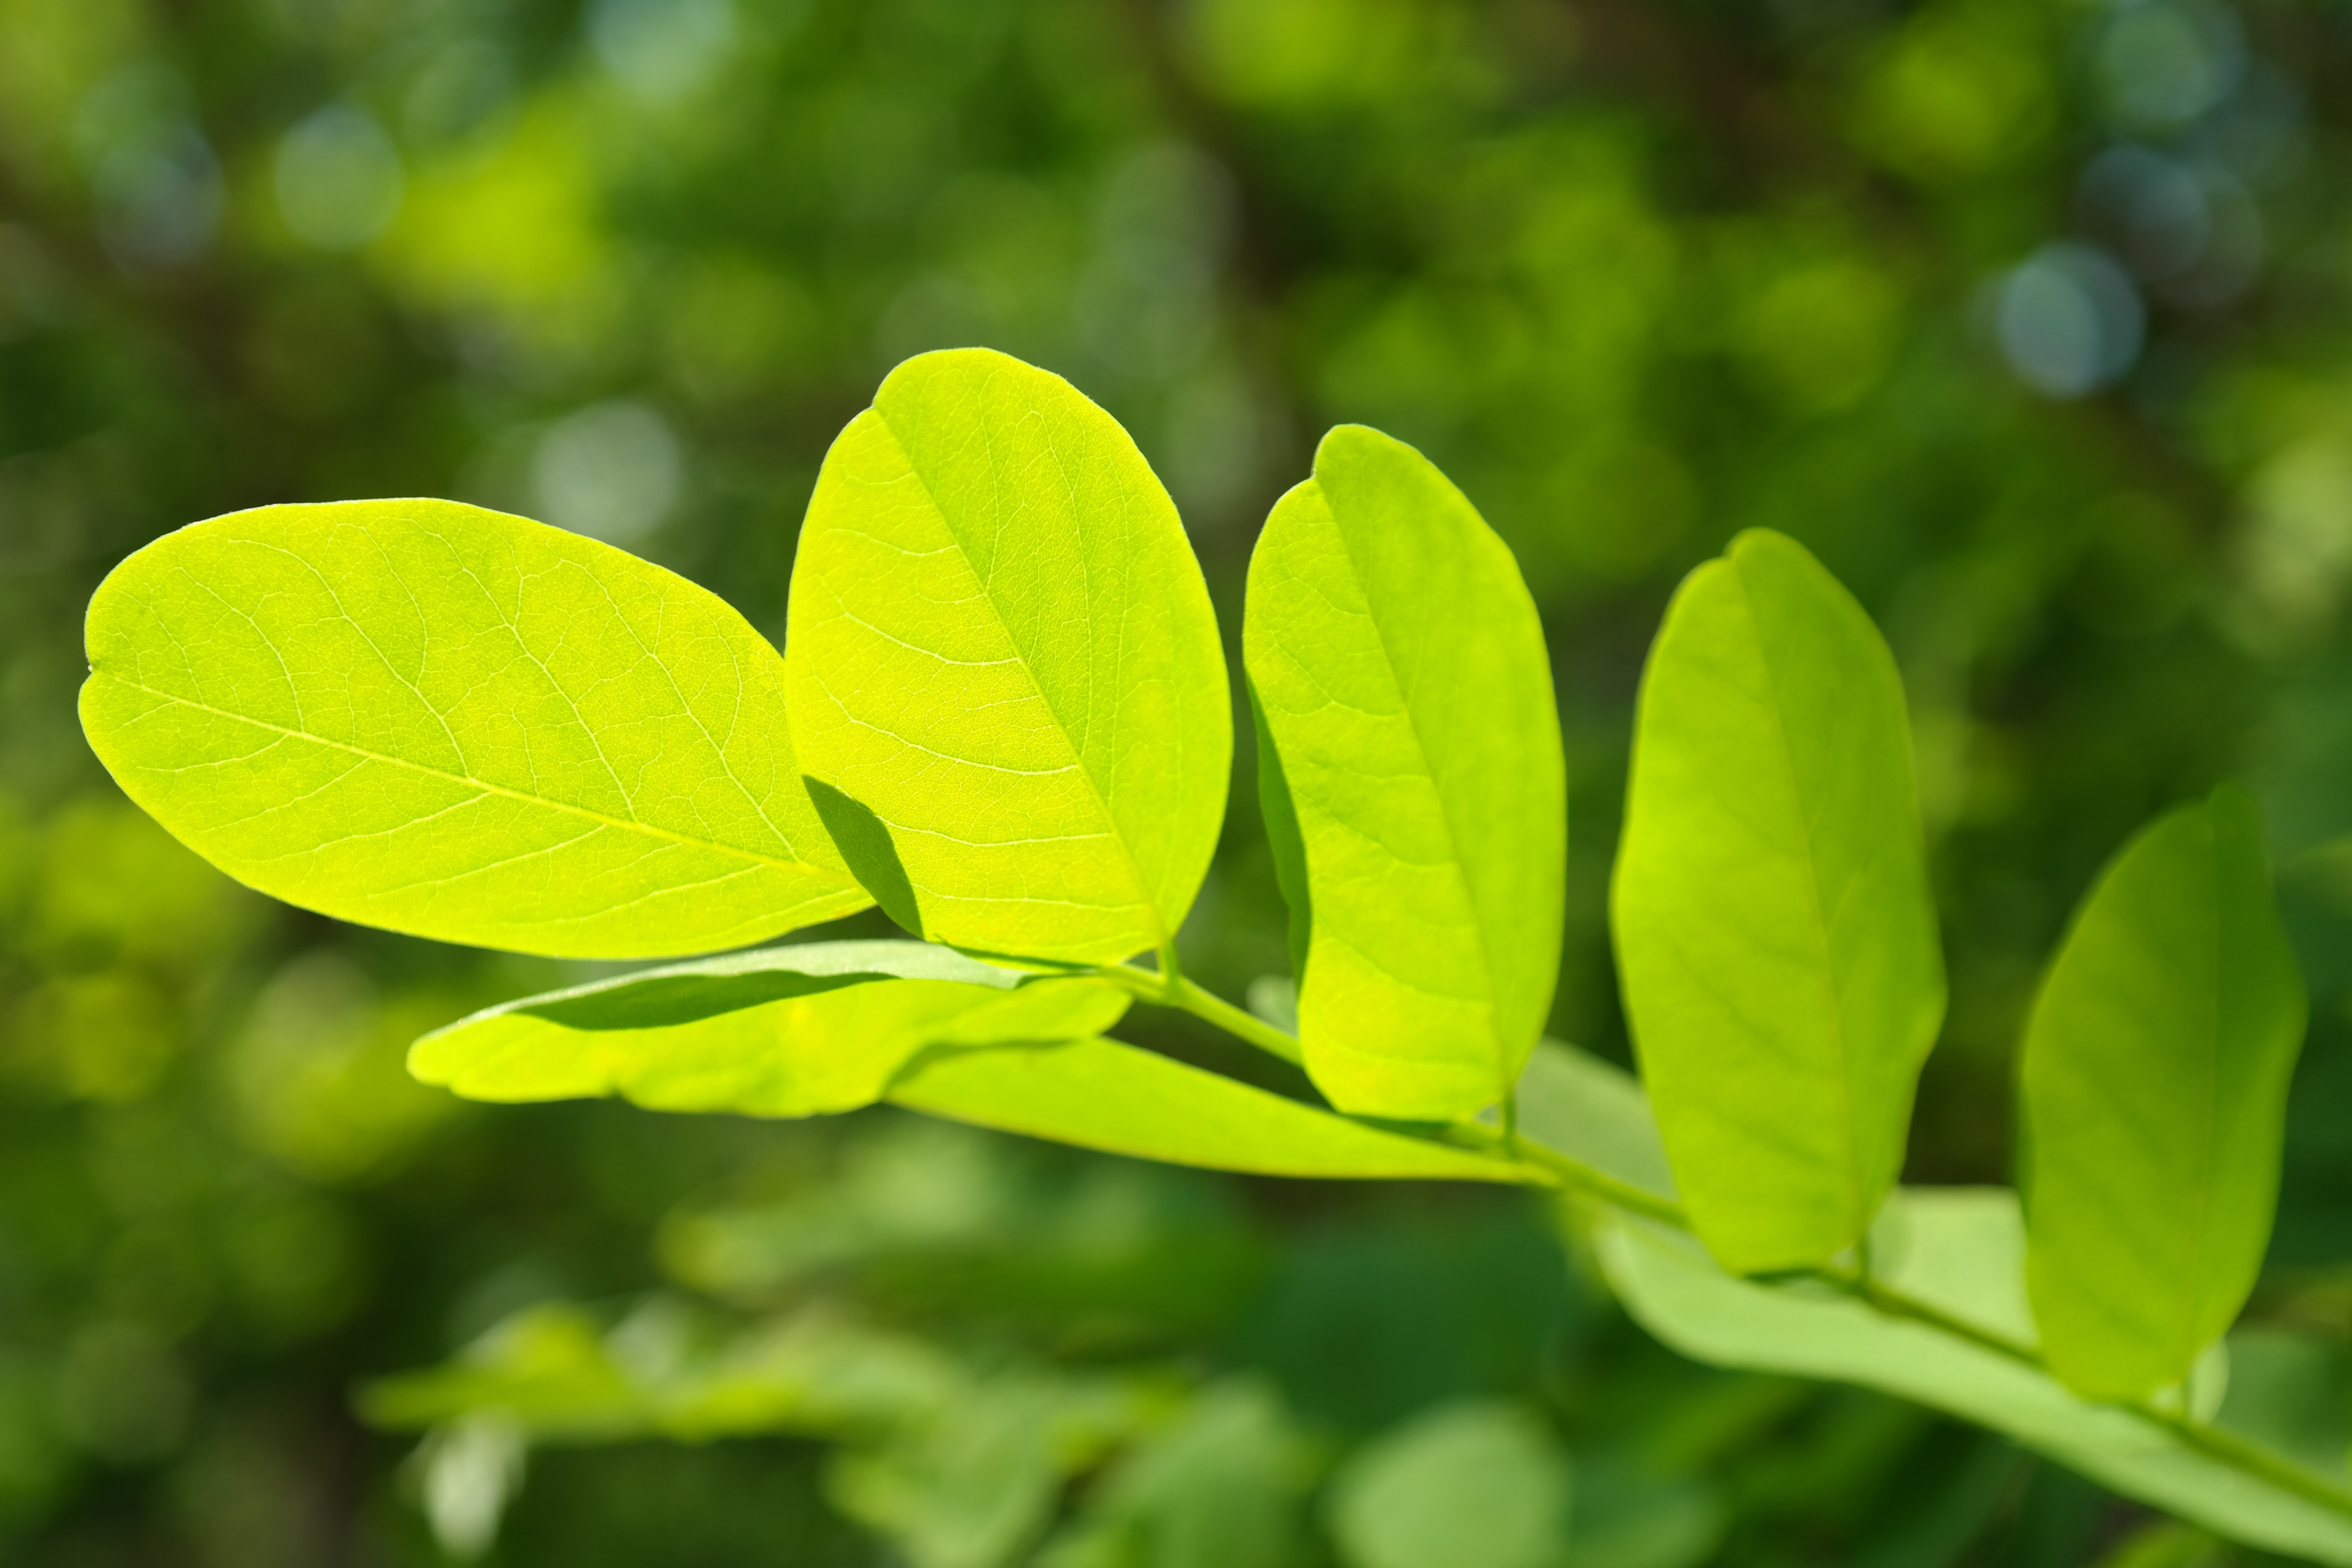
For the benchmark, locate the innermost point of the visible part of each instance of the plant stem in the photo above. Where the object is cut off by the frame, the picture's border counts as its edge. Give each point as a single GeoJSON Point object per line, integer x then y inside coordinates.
{"type": "Point", "coordinates": [1170, 988]}
{"type": "Point", "coordinates": [1235, 1021]}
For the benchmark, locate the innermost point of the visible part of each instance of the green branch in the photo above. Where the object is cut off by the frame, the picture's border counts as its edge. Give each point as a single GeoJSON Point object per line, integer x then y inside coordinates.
{"type": "Point", "coordinates": [1567, 1173]}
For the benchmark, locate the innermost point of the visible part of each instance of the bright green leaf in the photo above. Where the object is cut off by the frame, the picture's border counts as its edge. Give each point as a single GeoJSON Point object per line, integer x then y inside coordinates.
{"type": "Point", "coordinates": [2153, 1101]}
{"type": "Point", "coordinates": [1406, 718]}
{"type": "Point", "coordinates": [1775, 936]}
{"type": "Point", "coordinates": [1009, 687]}
{"type": "Point", "coordinates": [1960, 1250]}
{"type": "Point", "coordinates": [1475, 1485]}
{"type": "Point", "coordinates": [459, 724]}
{"type": "Point", "coordinates": [786, 1031]}
{"type": "Point", "coordinates": [1099, 1094]}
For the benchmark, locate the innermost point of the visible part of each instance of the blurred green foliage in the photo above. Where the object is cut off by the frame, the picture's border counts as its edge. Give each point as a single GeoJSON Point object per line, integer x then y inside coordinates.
{"type": "Point", "coordinates": [2032, 320]}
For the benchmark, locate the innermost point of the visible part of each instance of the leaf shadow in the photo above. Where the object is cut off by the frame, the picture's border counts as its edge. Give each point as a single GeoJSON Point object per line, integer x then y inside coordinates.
{"type": "Point", "coordinates": [863, 840]}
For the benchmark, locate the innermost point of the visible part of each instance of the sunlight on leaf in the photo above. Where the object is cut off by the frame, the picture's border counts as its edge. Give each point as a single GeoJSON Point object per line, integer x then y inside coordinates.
{"type": "Point", "coordinates": [1415, 794]}
{"type": "Point", "coordinates": [1775, 936]}
{"type": "Point", "coordinates": [1005, 667]}
{"type": "Point", "coordinates": [459, 724]}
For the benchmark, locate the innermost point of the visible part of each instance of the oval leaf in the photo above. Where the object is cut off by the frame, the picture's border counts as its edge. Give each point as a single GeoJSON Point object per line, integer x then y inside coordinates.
{"type": "Point", "coordinates": [1099, 1094]}
{"type": "Point", "coordinates": [1015, 705]}
{"type": "Point", "coordinates": [459, 724]}
{"type": "Point", "coordinates": [789, 1031]}
{"type": "Point", "coordinates": [1406, 714]}
{"type": "Point", "coordinates": [2154, 1085]}
{"type": "Point", "coordinates": [1774, 937]}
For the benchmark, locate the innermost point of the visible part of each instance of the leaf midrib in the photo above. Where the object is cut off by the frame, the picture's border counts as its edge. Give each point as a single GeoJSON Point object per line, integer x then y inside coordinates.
{"type": "Point", "coordinates": [626, 825]}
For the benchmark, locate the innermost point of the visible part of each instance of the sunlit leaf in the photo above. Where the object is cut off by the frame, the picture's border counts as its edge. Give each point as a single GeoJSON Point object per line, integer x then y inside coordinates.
{"type": "Point", "coordinates": [1099, 1094]}
{"type": "Point", "coordinates": [1410, 759]}
{"type": "Point", "coordinates": [1961, 1251]}
{"type": "Point", "coordinates": [1477, 1484]}
{"type": "Point", "coordinates": [2153, 1101]}
{"type": "Point", "coordinates": [787, 1031]}
{"type": "Point", "coordinates": [1775, 936]}
{"type": "Point", "coordinates": [459, 724]}
{"type": "Point", "coordinates": [1013, 698]}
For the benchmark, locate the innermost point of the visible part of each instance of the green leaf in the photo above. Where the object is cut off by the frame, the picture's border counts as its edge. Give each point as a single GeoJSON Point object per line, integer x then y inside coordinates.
{"type": "Point", "coordinates": [1005, 671]}
{"type": "Point", "coordinates": [1775, 936]}
{"type": "Point", "coordinates": [980, 1480]}
{"type": "Point", "coordinates": [789, 1031]}
{"type": "Point", "coordinates": [1099, 1094]}
{"type": "Point", "coordinates": [2153, 1100]}
{"type": "Point", "coordinates": [1410, 758]}
{"type": "Point", "coordinates": [1218, 1488]}
{"type": "Point", "coordinates": [459, 724]}
{"type": "Point", "coordinates": [554, 1371]}
{"type": "Point", "coordinates": [1480, 1484]}
{"type": "Point", "coordinates": [1961, 1250]}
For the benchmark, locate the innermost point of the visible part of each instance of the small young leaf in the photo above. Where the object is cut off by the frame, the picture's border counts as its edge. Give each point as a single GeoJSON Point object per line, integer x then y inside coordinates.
{"type": "Point", "coordinates": [1099, 1094]}
{"type": "Point", "coordinates": [1775, 936]}
{"type": "Point", "coordinates": [1011, 691]}
{"type": "Point", "coordinates": [2154, 1085]}
{"type": "Point", "coordinates": [459, 724]}
{"type": "Point", "coordinates": [1411, 760]}
{"type": "Point", "coordinates": [789, 1031]}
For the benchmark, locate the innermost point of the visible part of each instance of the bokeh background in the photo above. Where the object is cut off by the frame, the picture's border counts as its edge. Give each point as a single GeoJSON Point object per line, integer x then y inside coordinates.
{"type": "Point", "coordinates": [2033, 318]}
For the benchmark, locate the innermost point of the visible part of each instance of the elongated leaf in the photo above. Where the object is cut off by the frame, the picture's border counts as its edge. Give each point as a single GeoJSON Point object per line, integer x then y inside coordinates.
{"type": "Point", "coordinates": [1009, 688]}
{"type": "Point", "coordinates": [460, 724]}
{"type": "Point", "coordinates": [1406, 706]}
{"type": "Point", "coordinates": [2154, 1088]}
{"type": "Point", "coordinates": [1775, 937]}
{"type": "Point", "coordinates": [1961, 1250]}
{"type": "Point", "coordinates": [789, 1031]}
{"type": "Point", "coordinates": [1099, 1094]}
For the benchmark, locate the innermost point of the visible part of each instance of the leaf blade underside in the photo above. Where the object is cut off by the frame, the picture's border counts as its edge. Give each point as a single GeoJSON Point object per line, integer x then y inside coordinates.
{"type": "Point", "coordinates": [807, 1030]}
{"type": "Point", "coordinates": [1101, 1094]}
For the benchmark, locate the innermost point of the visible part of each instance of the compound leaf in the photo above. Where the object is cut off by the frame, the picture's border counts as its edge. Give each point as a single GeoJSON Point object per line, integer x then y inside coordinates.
{"type": "Point", "coordinates": [1775, 936]}
{"type": "Point", "coordinates": [1101, 1094]}
{"type": "Point", "coordinates": [1411, 761]}
{"type": "Point", "coordinates": [2154, 1085]}
{"type": "Point", "coordinates": [459, 724]}
{"type": "Point", "coordinates": [1011, 696]}
{"type": "Point", "coordinates": [789, 1031]}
